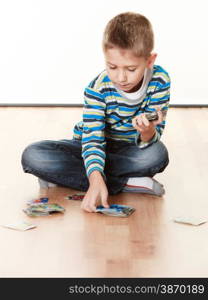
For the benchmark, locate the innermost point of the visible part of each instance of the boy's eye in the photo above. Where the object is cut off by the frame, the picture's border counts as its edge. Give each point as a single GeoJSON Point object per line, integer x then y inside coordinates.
{"type": "Point", "coordinates": [113, 68]}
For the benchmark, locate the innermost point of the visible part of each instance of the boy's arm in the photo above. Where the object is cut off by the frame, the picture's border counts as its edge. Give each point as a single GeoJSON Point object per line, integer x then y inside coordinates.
{"type": "Point", "coordinates": [159, 101]}
{"type": "Point", "coordinates": [93, 149]}
{"type": "Point", "coordinates": [93, 136]}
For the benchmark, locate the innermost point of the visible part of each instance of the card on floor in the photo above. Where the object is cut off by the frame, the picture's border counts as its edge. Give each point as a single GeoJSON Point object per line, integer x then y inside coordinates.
{"type": "Point", "coordinates": [192, 220]}
{"type": "Point", "coordinates": [116, 210]}
{"type": "Point", "coordinates": [20, 226]}
{"type": "Point", "coordinates": [78, 196]}
{"type": "Point", "coordinates": [39, 200]}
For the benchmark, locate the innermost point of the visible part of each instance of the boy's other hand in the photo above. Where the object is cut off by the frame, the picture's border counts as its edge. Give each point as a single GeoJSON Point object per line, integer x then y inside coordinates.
{"type": "Point", "coordinates": [141, 123]}
{"type": "Point", "coordinates": [97, 192]}
{"type": "Point", "coordinates": [145, 127]}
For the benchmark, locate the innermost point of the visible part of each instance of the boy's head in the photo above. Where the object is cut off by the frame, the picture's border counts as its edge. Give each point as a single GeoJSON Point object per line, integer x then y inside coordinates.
{"type": "Point", "coordinates": [128, 42]}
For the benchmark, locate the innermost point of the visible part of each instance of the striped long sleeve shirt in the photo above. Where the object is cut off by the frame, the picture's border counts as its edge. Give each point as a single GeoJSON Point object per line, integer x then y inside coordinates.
{"type": "Point", "coordinates": [108, 114]}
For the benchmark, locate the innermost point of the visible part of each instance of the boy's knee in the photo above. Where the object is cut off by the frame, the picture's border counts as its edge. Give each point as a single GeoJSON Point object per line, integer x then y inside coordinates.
{"type": "Point", "coordinates": [158, 157]}
{"type": "Point", "coordinates": [31, 156]}
{"type": "Point", "coordinates": [154, 158]}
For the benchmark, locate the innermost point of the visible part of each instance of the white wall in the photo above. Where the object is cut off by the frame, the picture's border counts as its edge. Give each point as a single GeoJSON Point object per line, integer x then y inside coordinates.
{"type": "Point", "coordinates": [51, 49]}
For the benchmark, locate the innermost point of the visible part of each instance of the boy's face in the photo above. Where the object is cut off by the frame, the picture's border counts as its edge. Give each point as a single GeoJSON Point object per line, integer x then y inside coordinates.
{"type": "Point", "coordinates": [126, 70]}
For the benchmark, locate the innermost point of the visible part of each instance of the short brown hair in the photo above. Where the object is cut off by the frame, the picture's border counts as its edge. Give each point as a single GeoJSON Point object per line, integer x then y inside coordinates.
{"type": "Point", "coordinates": [129, 31]}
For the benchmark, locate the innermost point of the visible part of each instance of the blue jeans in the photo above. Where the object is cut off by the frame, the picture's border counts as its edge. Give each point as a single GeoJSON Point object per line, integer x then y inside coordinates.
{"type": "Point", "coordinates": [60, 162]}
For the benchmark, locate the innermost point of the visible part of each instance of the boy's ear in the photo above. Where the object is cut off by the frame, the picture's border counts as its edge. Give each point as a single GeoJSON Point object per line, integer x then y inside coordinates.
{"type": "Point", "coordinates": [151, 60]}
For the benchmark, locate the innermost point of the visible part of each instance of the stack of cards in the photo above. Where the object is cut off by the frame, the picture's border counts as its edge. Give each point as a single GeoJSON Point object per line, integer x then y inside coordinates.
{"type": "Point", "coordinates": [152, 116]}
{"type": "Point", "coordinates": [116, 210]}
{"type": "Point", "coordinates": [43, 209]}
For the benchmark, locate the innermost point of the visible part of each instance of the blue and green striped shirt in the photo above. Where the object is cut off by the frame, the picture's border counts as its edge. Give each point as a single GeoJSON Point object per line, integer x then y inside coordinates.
{"type": "Point", "coordinates": [106, 113]}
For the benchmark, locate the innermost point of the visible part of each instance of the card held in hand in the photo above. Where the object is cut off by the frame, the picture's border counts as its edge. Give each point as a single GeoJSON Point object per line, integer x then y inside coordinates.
{"type": "Point", "coordinates": [116, 210]}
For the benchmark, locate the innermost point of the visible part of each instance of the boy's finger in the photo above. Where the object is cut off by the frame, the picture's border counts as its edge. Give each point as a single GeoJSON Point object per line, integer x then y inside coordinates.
{"type": "Point", "coordinates": [85, 206]}
{"type": "Point", "coordinates": [144, 120]}
{"type": "Point", "coordinates": [88, 209]}
{"type": "Point", "coordinates": [134, 123]}
{"type": "Point", "coordinates": [160, 117]}
{"type": "Point", "coordinates": [139, 121]}
{"type": "Point", "coordinates": [93, 208]}
{"type": "Point", "coordinates": [137, 126]}
{"type": "Point", "coordinates": [105, 203]}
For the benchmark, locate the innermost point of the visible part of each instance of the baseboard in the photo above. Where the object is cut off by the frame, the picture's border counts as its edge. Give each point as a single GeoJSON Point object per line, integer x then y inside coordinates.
{"type": "Point", "coordinates": [81, 105]}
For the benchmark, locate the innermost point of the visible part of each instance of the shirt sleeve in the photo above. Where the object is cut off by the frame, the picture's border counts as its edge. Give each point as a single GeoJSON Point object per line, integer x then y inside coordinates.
{"type": "Point", "coordinates": [93, 136]}
{"type": "Point", "coordinates": [160, 98]}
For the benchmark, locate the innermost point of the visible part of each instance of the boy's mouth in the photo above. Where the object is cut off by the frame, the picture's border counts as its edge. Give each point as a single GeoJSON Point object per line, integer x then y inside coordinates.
{"type": "Point", "coordinates": [123, 85]}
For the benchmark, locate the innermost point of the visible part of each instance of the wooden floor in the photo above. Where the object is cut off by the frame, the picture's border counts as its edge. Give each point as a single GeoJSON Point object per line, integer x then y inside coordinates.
{"type": "Point", "coordinates": [79, 244]}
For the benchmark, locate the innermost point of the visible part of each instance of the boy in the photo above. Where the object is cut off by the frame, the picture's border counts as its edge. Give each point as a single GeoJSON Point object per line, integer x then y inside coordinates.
{"type": "Point", "coordinates": [114, 148]}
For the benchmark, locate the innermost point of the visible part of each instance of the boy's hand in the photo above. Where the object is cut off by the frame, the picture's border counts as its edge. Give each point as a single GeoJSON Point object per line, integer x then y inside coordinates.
{"type": "Point", "coordinates": [145, 127]}
{"type": "Point", "coordinates": [97, 191]}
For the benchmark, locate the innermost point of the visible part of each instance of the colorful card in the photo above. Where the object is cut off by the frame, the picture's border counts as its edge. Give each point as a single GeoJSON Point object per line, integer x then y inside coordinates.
{"type": "Point", "coordinates": [116, 210]}
{"type": "Point", "coordinates": [39, 200]}
{"type": "Point", "coordinates": [77, 196]}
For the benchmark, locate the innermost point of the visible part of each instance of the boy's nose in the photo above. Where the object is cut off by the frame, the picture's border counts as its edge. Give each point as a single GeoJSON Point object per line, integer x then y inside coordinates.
{"type": "Point", "coordinates": [122, 77]}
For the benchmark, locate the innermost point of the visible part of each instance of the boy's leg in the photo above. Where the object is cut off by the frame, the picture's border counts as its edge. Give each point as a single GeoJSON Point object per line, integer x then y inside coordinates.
{"type": "Point", "coordinates": [57, 162]}
{"type": "Point", "coordinates": [124, 161]}
{"type": "Point", "coordinates": [60, 162]}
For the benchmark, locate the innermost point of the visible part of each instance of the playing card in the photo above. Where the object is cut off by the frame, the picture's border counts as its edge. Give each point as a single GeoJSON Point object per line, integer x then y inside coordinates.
{"type": "Point", "coordinates": [20, 226]}
{"type": "Point", "coordinates": [78, 196]}
{"type": "Point", "coordinates": [193, 220]}
{"type": "Point", "coordinates": [116, 210]}
{"type": "Point", "coordinates": [39, 200]}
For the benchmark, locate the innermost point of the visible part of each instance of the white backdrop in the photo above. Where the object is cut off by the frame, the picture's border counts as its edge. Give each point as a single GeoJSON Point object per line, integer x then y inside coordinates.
{"type": "Point", "coordinates": [51, 49]}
